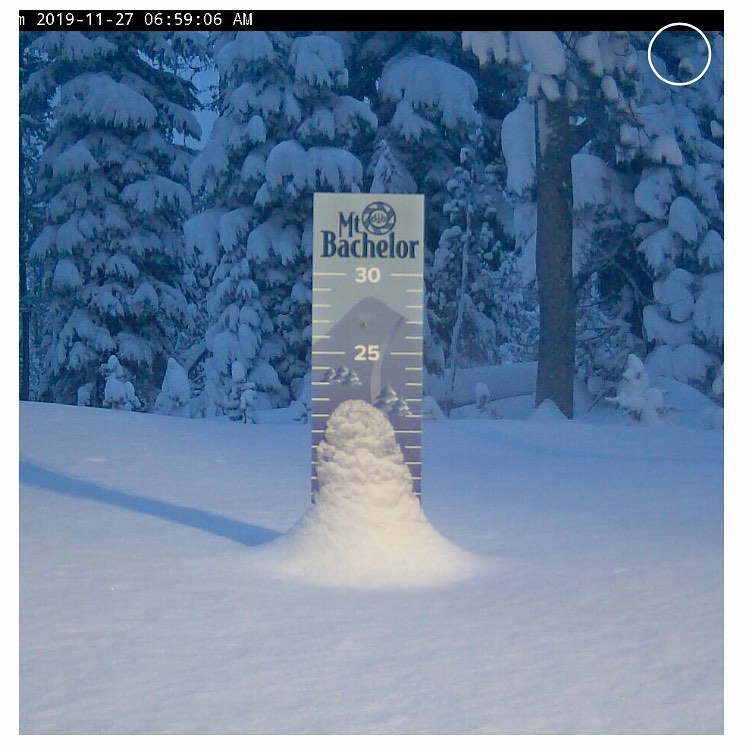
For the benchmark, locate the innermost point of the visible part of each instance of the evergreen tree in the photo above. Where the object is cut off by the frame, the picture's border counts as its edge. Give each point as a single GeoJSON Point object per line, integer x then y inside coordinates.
{"type": "Point", "coordinates": [475, 279]}
{"type": "Point", "coordinates": [115, 270]}
{"type": "Point", "coordinates": [285, 130]}
{"type": "Point", "coordinates": [636, 396]}
{"type": "Point", "coordinates": [679, 196]}
{"type": "Point", "coordinates": [427, 113]}
{"type": "Point", "coordinates": [33, 127]}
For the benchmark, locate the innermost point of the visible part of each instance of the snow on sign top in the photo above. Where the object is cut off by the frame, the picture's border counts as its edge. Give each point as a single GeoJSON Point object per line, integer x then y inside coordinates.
{"type": "Point", "coordinates": [368, 262]}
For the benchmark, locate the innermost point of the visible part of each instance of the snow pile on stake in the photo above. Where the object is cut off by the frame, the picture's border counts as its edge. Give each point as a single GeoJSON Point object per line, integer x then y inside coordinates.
{"type": "Point", "coordinates": [366, 527]}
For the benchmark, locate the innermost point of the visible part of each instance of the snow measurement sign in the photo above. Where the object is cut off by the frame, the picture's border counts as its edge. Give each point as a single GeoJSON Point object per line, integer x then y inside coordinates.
{"type": "Point", "coordinates": [368, 261]}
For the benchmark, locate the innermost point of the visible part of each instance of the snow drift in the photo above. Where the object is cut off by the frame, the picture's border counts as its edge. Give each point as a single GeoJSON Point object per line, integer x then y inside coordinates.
{"type": "Point", "coordinates": [366, 527]}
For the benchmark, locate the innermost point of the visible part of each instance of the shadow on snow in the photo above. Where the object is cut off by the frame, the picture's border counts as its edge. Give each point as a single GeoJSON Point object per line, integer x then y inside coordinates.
{"type": "Point", "coordinates": [248, 534]}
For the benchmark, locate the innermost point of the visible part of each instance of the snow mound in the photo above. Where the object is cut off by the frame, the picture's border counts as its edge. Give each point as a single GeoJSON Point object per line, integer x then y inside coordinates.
{"type": "Point", "coordinates": [547, 412]}
{"type": "Point", "coordinates": [366, 527]}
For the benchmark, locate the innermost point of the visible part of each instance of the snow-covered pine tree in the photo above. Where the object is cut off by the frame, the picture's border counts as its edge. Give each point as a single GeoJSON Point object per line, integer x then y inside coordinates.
{"type": "Point", "coordinates": [666, 140]}
{"type": "Point", "coordinates": [636, 395]}
{"type": "Point", "coordinates": [174, 397]}
{"type": "Point", "coordinates": [610, 284]}
{"type": "Point", "coordinates": [252, 99]}
{"type": "Point", "coordinates": [284, 130]}
{"type": "Point", "coordinates": [426, 106]}
{"type": "Point", "coordinates": [679, 195]}
{"type": "Point", "coordinates": [333, 126]}
{"type": "Point", "coordinates": [388, 166]}
{"type": "Point", "coordinates": [119, 392]}
{"type": "Point", "coordinates": [114, 263]}
{"type": "Point", "coordinates": [510, 217]}
{"type": "Point", "coordinates": [484, 314]}
{"type": "Point", "coordinates": [33, 131]}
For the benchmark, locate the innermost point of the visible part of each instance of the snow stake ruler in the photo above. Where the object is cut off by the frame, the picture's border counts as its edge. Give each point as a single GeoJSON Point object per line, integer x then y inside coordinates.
{"type": "Point", "coordinates": [367, 314]}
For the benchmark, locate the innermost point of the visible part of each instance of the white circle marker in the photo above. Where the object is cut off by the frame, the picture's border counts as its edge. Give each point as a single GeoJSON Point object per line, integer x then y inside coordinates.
{"type": "Point", "coordinates": [692, 80]}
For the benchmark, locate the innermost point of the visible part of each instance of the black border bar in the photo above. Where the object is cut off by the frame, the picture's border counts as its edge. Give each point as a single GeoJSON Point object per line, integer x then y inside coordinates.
{"type": "Point", "coordinates": [329, 20]}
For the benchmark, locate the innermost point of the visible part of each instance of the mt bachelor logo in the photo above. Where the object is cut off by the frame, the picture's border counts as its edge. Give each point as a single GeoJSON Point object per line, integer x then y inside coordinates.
{"type": "Point", "coordinates": [367, 235]}
{"type": "Point", "coordinates": [379, 218]}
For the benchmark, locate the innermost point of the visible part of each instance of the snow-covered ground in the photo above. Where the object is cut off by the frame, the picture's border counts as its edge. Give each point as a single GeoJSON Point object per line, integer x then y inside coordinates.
{"type": "Point", "coordinates": [144, 606]}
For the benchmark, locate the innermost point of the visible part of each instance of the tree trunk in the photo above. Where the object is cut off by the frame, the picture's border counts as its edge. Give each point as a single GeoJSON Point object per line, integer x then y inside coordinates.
{"type": "Point", "coordinates": [554, 256]}
{"type": "Point", "coordinates": [453, 357]}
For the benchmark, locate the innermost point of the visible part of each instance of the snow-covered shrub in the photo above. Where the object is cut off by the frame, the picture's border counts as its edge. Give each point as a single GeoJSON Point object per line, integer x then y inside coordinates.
{"type": "Point", "coordinates": [119, 392]}
{"type": "Point", "coordinates": [717, 388]}
{"type": "Point", "coordinates": [637, 396]}
{"type": "Point", "coordinates": [482, 393]}
{"type": "Point", "coordinates": [83, 396]}
{"type": "Point", "coordinates": [174, 397]}
{"type": "Point", "coordinates": [241, 399]}
{"type": "Point", "coordinates": [431, 409]}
